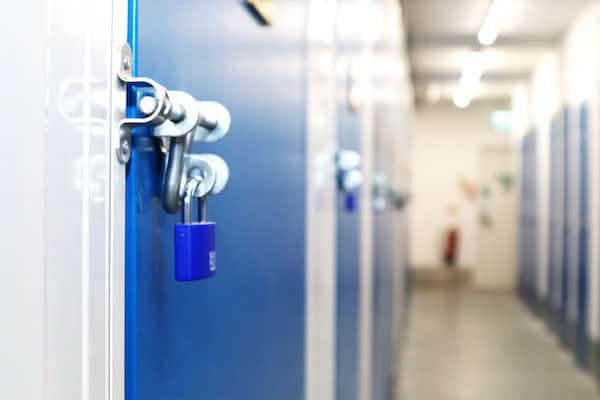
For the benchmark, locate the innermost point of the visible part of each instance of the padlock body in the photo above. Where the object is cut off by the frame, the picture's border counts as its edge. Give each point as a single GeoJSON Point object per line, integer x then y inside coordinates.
{"type": "Point", "coordinates": [350, 202]}
{"type": "Point", "coordinates": [195, 252]}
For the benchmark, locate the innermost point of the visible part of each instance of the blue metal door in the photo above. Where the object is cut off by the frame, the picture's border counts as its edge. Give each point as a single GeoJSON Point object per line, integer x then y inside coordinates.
{"type": "Point", "coordinates": [565, 229]}
{"type": "Point", "coordinates": [348, 257]}
{"type": "Point", "coordinates": [556, 216]}
{"type": "Point", "coordinates": [552, 225]}
{"type": "Point", "coordinates": [239, 335]}
{"type": "Point", "coordinates": [528, 221]}
{"type": "Point", "coordinates": [382, 306]}
{"type": "Point", "coordinates": [387, 121]}
{"type": "Point", "coordinates": [522, 215]}
{"type": "Point", "coordinates": [533, 219]}
{"type": "Point", "coordinates": [582, 241]}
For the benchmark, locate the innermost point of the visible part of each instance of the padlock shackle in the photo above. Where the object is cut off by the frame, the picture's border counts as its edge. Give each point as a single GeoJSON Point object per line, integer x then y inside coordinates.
{"type": "Point", "coordinates": [173, 173]}
{"type": "Point", "coordinates": [203, 208]}
{"type": "Point", "coordinates": [188, 195]}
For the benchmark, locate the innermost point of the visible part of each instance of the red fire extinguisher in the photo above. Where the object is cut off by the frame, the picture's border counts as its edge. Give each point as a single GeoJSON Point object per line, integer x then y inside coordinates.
{"type": "Point", "coordinates": [451, 247]}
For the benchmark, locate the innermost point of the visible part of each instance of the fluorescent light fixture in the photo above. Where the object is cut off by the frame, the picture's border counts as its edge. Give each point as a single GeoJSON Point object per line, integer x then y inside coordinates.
{"type": "Point", "coordinates": [469, 80]}
{"type": "Point", "coordinates": [497, 14]}
{"type": "Point", "coordinates": [462, 99]}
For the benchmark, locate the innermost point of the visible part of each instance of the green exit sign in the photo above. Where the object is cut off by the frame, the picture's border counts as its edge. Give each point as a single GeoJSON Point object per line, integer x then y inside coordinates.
{"type": "Point", "coordinates": [502, 121]}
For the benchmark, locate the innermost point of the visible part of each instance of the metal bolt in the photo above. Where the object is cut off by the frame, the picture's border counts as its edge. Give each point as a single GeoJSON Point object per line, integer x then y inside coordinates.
{"type": "Point", "coordinates": [147, 105]}
{"type": "Point", "coordinates": [126, 63]}
{"type": "Point", "coordinates": [124, 151]}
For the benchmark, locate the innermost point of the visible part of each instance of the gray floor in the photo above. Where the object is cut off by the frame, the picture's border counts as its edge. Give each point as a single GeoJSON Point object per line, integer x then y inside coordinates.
{"type": "Point", "coordinates": [463, 345]}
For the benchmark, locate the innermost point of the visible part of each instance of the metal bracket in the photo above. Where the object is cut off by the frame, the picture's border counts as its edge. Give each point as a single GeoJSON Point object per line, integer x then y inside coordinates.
{"type": "Point", "coordinates": [380, 193]}
{"type": "Point", "coordinates": [177, 119]}
{"type": "Point", "coordinates": [349, 176]}
{"type": "Point", "coordinates": [125, 77]}
{"type": "Point", "coordinates": [384, 196]}
{"type": "Point", "coordinates": [169, 118]}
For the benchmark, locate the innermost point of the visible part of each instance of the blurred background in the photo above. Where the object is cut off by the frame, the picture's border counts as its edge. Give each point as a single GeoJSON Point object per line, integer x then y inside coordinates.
{"type": "Point", "coordinates": [503, 225]}
{"type": "Point", "coordinates": [399, 200]}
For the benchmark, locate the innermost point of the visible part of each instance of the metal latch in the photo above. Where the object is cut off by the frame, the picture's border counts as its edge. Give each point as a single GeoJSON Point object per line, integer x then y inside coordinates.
{"type": "Point", "coordinates": [177, 120]}
{"type": "Point", "coordinates": [349, 176]}
{"type": "Point", "coordinates": [384, 196]}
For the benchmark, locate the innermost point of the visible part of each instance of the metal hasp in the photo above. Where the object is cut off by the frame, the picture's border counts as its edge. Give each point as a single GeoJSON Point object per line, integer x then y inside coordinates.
{"type": "Point", "coordinates": [384, 196]}
{"type": "Point", "coordinates": [399, 199]}
{"type": "Point", "coordinates": [380, 193]}
{"type": "Point", "coordinates": [349, 177]}
{"type": "Point", "coordinates": [177, 120]}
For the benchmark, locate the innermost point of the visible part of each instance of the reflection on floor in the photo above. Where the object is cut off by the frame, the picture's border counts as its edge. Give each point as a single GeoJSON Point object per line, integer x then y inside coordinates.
{"type": "Point", "coordinates": [464, 345]}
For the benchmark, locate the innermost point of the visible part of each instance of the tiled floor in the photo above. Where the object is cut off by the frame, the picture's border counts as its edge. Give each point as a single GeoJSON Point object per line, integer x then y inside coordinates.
{"type": "Point", "coordinates": [473, 346]}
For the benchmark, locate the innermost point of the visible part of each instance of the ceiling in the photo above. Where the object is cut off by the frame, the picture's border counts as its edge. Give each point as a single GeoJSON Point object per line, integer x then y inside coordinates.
{"type": "Point", "coordinates": [441, 34]}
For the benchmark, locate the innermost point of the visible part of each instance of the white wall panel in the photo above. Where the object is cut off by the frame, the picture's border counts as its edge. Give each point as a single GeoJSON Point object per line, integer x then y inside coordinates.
{"type": "Point", "coordinates": [22, 245]}
{"type": "Point", "coordinates": [64, 205]}
{"type": "Point", "coordinates": [320, 204]}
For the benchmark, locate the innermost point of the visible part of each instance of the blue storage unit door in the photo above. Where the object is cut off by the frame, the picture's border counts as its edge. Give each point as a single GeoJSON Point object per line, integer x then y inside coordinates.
{"type": "Point", "coordinates": [240, 334]}
{"type": "Point", "coordinates": [522, 216]}
{"type": "Point", "coordinates": [388, 121]}
{"type": "Point", "coordinates": [552, 225]}
{"type": "Point", "coordinates": [556, 226]}
{"type": "Point", "coordinates": [582, 241]}
{"type": "Point", "coordinates": [533, 219]}
{"type": "Point", "coordinates": [348, 258]}
{"type": "Point", "coordinates": [382, 306]}
{"type": "Point", "coordinates": [565, 229]}
{"type": "Point", "coordinates": [528, 221]}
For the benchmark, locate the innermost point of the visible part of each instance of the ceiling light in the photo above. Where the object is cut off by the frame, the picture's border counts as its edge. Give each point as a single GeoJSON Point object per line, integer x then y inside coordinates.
{"type": "Point", "coordinates": [497, 14]}
{"type": "Point", "coordinates": [469, 80]}
{"type": "Point", "coordinates": [462, 99]}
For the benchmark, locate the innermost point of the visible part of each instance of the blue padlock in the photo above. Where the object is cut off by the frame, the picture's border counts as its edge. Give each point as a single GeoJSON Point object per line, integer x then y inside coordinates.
{"type": "Point", "coordinates": [350, 202]}
{"type": "Point", "coordinates": [195, 251]}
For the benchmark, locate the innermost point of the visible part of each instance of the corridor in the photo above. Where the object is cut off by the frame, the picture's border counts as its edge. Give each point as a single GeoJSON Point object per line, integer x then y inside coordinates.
{"type": "Point", "coordinates": [467, 345]}
{"type": "Point", "coordinates": [300, 200]}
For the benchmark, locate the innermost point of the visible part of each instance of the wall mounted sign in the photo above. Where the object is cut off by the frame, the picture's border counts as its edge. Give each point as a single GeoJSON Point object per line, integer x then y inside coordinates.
{"type": "Point", "coordinates": [263, 10]}
{"type": "Point", "coordinates": [468, 188]}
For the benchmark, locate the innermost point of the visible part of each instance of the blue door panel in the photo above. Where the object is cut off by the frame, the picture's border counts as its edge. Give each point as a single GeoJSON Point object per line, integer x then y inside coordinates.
{"type": "Point", "coordinates": [583, 240]}
{"type": "Point", "coordinates": [348, 257]}
{"type": "Point", "coordinates": [388, 120]}
{"type": "Point", "coordinates": [552, 225]}
{"type": "Point", "coordinates": [522, 223]}
{"type": "Point", "coordinates": [382, 307]}
{"type": "Point", "coordinates": [522, 214]}
{"type": "Point", "coordinates": [565, 227]}
{"type": "Point", "coordinates": [534, 219]}
{"type": "Point", "coordinates": [239, 335]}
{"type": "Point", "coordinates": [528, 221]}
